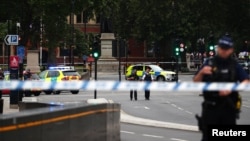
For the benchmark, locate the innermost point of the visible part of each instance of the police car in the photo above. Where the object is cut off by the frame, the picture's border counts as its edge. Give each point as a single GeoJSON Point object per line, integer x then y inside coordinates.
{"type": "Point", "coordinates": [27, 93]}
{"type": "Point", "coordinates": [158, 73]}
{"type": "Point", "coordinates": [58, 74]}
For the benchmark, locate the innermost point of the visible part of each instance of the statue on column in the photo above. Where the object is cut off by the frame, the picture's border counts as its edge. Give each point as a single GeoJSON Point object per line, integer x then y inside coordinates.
{"type": "Point", "coordinates": [106, 25]}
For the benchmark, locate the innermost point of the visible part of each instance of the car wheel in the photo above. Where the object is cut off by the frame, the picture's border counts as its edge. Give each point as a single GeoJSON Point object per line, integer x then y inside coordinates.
{"type": "Point", "coordinates": [37, 93]}
{"type": "Point", "coordinates": [57, 92]}
{"type": "Point", "coordinates": [75, 92]}
{"type": "Point", "coordinates": [27, 93]}
{"type": "Point", "coordinates": [48, 92]}
{"type": "Point", "coordinates": [160, 78]}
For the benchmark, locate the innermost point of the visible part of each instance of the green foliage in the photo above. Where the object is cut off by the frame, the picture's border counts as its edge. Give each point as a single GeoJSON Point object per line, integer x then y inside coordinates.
{"type": "Point", "coordinates": [3, 30]}
{"type": "Point", "coordinates": [158, 20]}
{"type": "Point", "coordinates": [189, 19]}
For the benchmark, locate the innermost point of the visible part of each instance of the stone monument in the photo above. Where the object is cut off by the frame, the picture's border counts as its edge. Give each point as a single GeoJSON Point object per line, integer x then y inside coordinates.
{"type": "Point", "coordinates": [106, 45]}
{"type": "Point", "coordinates": [32, 61]}
{"type": "Point", "coordinates": [106, 62]}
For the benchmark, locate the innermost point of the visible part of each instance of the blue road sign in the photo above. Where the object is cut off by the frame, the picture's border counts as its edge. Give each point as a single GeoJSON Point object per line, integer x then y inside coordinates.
{"type": "Point", "coordinates": [20, 53]}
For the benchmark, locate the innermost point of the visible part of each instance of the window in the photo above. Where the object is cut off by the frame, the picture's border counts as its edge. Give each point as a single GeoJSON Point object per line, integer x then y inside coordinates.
{"type": "Point", "coordinates": [138, 68]}
{"type": "Point", "coordinates": [53, 74]}
{"type": "Point", "coordinates": [81, 18]}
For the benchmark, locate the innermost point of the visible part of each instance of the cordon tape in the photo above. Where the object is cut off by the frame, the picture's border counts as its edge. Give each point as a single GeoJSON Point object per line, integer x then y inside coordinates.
{"type": "Point", "coordinates": [123, 85]}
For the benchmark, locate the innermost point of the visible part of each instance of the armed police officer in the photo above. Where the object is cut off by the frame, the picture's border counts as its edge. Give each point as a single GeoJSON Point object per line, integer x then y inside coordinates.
{"type": "Point", "coordinates": [220, 107]}
{"type": "Point", "coordinates": [133, 77]}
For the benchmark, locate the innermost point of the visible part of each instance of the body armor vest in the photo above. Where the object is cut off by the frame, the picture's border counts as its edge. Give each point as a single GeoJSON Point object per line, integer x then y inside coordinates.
{"type": "Point", "coordinates": [222, 71]}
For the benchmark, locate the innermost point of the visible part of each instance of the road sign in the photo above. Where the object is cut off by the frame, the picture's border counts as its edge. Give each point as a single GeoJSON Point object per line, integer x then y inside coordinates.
{"type": "Point", "coordinates": [91, 59]}
{"type": "Point", "coordinates": [20, 53]}
{"type": "Point", "coordinates": [11, 39]}
{"type": "Point", "coordinates": [14, 61]}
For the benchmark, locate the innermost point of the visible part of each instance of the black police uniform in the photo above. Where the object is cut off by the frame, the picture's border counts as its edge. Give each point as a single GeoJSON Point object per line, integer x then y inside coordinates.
{"type": "Point", "coordinates": [147, 77]}
{"type": "Point", "coordinates": [1, 79]}
{"type": "Point", "coordinates": [133, 77]}
{"type": "Point", "coordinates": [217, 109]}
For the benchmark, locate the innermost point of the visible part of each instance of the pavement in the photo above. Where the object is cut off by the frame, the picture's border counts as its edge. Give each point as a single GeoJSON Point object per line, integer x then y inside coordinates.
{"type": "Point", "coordinates": [125, 118]}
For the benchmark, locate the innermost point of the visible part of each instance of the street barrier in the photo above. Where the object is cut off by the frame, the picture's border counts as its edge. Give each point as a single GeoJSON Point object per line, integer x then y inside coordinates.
{"type": "Point", "coordinates": [59, 122]}
{"type": "Point", "coordinates": [123, 85]}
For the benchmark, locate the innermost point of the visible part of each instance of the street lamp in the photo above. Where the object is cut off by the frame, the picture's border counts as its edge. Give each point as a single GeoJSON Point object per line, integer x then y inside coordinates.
{"type": "Point", "coordinates": [41, 41]}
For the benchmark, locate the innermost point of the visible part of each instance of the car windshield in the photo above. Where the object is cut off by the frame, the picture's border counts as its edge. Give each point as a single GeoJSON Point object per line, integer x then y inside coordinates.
{"type": "Point", "coordinates": [156, 68]}
{"type": "Point", "coordinates": [71, 73]}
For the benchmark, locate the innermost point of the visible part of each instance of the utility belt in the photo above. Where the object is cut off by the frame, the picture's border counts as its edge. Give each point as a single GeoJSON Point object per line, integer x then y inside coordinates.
{"type": "Point", "coordinates": [233, 102]}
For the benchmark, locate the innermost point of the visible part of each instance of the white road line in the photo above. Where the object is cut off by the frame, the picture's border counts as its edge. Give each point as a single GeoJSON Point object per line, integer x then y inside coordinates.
{"type": "Point", "coordinates": [175, 139]}
{"type": "Point", "coordinates": [246, 106]}
{"type": "Point", "coordinates": [144, 107]}
{"type": "Point", "coordinates": [180, 108]}
{"type": "Point", "coordinates": [127, 132]}
{"type": "Point", "coordinates": [188, 112]}
{"type": "Point", "coordinates": [153, 136]}
{"type": "Point", "coordinates": [173, 105]}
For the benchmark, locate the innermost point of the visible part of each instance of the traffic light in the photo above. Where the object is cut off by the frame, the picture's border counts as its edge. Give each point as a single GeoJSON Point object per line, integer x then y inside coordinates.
{"type": "Point", "coordinates": [95, 49]}
{"type": "Point", "coordinates": [95, 54]}
{"type": "Point", "coordinates": [177, 51]}
{"type": "Point", "coordinates": [177, 47]}
{"type": "Point", "coordinates": [211, 46]}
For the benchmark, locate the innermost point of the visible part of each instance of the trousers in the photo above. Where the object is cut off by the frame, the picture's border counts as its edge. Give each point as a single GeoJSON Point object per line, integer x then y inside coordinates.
{"type": "Point", "coordinates": [147, 94]}
{"type": "Point", "coordinates": [216, 115]}
{"type": "Point", "coordinates": [133, 93]}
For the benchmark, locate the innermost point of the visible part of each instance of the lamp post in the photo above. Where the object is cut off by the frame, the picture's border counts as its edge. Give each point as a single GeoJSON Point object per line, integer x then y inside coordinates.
{"type": "Point", "coordinates": [71, 21]}
{"type": "Point", "coordinates": [119, 56]}
{"type": "Point", "coordinates": [41, 41]}
{"type": "Point", "coordinates": [8, 47]}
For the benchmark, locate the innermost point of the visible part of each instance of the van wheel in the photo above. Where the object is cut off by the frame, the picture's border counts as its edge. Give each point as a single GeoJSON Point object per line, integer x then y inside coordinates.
{"type": "Point", "coordinates": [27, 93]}
{"type": "Point", "coordinates": [160, 78]}
{"type": "Point", "coordinates": [56, 92]}
{"type": "Point", "coordinates": [75, 92]}
{"type": "Point", "coordinates": [48, 92]}
{"type": "Point", "coordinates": [37, 93]}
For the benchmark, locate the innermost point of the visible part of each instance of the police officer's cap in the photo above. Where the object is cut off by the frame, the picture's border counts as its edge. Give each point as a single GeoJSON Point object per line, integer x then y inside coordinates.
{"type": "Point", "coordinates": [225, 42]}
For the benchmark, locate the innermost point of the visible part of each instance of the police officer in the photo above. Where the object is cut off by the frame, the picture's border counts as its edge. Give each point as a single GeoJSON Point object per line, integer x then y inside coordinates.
{"type": "Point", "coordinates": [147, 77]}
{"type": "Point", "coordinates": [133, 77]}
{"type": "Point", "coordinates": [1, 100]}
{"type": "Point", "coordinates": [27, 74]}
{"type": "Point", "coordinates": [219, 107]}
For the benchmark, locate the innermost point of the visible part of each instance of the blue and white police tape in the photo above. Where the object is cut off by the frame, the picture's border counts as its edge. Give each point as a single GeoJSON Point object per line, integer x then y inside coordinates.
{"type": "Point", "coordinates": [123, 85]}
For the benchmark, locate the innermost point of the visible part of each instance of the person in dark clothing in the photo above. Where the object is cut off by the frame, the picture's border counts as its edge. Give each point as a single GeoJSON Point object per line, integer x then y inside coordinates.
{"type": "Point", "coordinates": [1, 79]}
{"type": "Point", "coordinates": [27, 74]}
{"type": "Point", "coordinates": [147, 77]}
{"type": "Point", "coordinates": [220, 107]}
{"type": "Point", "coordinates": [133, 77]}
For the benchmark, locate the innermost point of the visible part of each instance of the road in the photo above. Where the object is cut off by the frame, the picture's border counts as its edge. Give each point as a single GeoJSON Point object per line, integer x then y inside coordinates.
{"type": "Point", "coordinates": [141, 133]}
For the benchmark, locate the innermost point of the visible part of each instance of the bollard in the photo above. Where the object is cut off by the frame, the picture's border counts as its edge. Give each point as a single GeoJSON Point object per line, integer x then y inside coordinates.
{"type": "Point", "coordinates": [1, 106]}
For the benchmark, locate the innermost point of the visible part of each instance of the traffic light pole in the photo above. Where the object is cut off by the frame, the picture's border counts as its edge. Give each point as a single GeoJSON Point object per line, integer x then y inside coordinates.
{"type": "Point", "coordinates": [95, 92]}
{"type": "Point", "coordinates": [177, 68]}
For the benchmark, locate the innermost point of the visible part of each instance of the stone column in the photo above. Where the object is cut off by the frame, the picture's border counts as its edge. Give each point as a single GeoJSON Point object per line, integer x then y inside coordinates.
{"type": "Point", "coordinates": [33, 61]}
{"type": "Point", "coordinates": [106, 45]}
{"type": "Point", "coordinates": [106, 62]}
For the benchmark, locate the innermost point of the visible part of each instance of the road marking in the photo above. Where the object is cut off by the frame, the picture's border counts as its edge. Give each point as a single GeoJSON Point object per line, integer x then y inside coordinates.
{"type": "Point", "coordinates": [153, 136]}
{"type": "Point", "coordinates": [144, 107]}
{"type": "Point", "coordinates": [127, 132]}
{"type": "Point", "coordinates": [246, 106]}
{"type": "Point", "coordinates": [175, 139]}
{"type": "Point", "coordinates": [188, 112]}
{"type": "Point", "coordinates": [180, 108]}
{"type": "Point", "coordinates": [173, 105]}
